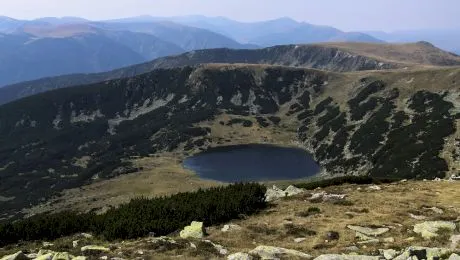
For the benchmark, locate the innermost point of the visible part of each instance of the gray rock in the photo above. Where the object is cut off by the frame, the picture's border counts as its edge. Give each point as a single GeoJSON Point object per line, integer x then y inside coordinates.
{"type": "Point", "coordinates": [86, 235]}
{"type": "Point", "coordinates": [417, 217]}
{"type": "Point", "coordinates": [362, 237]}
{"type": "Point", "coordinates": [300, 239]}
{"type": "Point", "coordinates": [369, 231]}
{"type": "Point", "coordinates": [346, 257]}
{"type": "Point", "coordinates": [218, 247]}
{"type": "Point", "coordinates": [370, 241]}
{"type": "Point", "coordinates": [388, 253]}
{"type": "Point", "coordinates": [292, 191]}
{"type": "Point", "coordinates": [17, 256]}
{"type": "Point", "coordinates": [62, 256]}
{"type": "Point", "coordinates": [455, 241]}
{"type": "Point", "coordinates": [352, 248]}
{"type": "Point", "coordinates": [389, 240]}
{"type": "Point", "coordinates": [323, 196]}
{"type": "Point", "coordinates": [274, 193]}
{"type": "Point", "coordinates": [454, 257]}
{"type": "Point", "coordinates": [271, 252]}
{"type": "Point", "coordinates": [47, 244]}
{"type": "Point", "coordinates": [429, 229]}
{"type": "Point", "coordinates": [239, 256]}
{"type": "Point", "coordinates": [423, 253]}
{"type": "Point", "coordinates": [75, 243]}
{"type": "Point", "coordinates": [436, 210]}
{"type": "Point", "coordinates": [374, 187]}
{"type": "Point", "coordinates": [230, 227]}
{"type": "Point", "coordinates": [92, 249]}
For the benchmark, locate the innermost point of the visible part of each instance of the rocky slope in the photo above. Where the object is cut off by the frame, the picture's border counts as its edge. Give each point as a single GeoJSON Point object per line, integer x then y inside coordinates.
{"type": "Point", "coordinates": [376, 123]}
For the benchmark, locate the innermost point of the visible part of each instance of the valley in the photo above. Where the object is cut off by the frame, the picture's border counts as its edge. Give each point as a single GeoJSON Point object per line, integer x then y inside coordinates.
{"type": "Point", "coordinates": [354, 123]}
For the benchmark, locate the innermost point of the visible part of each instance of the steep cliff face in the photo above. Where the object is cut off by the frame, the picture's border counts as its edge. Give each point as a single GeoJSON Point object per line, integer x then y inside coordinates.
{"type": "Point", "coordinates": [389, 124]}
{"type": "Point", "coordinates": [307, 56]}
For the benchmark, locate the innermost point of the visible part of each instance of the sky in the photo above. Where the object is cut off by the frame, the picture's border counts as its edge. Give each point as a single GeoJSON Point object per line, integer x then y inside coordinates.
{"type": "Point", "coordinates": [348, 15]}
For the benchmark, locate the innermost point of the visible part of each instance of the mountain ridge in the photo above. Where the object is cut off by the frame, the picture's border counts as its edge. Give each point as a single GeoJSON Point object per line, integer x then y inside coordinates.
{"type": "Point", "coordinates": [329, 56]}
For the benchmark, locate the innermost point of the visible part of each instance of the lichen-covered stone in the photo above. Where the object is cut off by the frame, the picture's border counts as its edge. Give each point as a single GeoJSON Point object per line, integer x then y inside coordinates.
{"type": "Point", "coordinates": [194, 230]}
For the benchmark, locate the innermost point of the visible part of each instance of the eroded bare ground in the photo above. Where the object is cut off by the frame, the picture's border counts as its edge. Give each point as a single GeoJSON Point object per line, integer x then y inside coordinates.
{"type": "Point", "coordinates": [322, 225]}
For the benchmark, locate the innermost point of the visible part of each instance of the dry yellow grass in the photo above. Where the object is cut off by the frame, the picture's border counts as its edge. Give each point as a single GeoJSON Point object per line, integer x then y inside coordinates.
{"type": "Point", "coordinates": [388, 207]}
{"type": "Point", "coordinates": [279, 224]}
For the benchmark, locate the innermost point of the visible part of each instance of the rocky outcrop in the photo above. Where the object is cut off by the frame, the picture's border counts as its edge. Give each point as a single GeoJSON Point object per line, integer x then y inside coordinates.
{"type": "Point", "coordinates": [429, 229]}
{"type": "Point", "coordinates": [17, 256]}
{"type": "Point", "coordinates": [369, 231]}
{"type": "Point", "coordinates": [194, 230]}
{"type": "Point", "coordinates": [276, 193]}
{"type": "Point", "coordinates": [239, 256]}
{"type": "Point", "coordinates": [271, 252]}
{"type": "Point", "coordinates": [346, 257]}
{"type": "Point", "coordinates": [230, 227]}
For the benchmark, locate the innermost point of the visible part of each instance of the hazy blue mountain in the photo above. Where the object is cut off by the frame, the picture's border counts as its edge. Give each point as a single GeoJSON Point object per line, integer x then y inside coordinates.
{"type": "Point", "coordinates": [42, 57]}
{"type": "Point", "coordinates": [35, 53]}
{"type": "Point", "coordinates": [8, 24]}
{"type": "Point", "coordinates": [266, 33]}
{"type": "Point", "coordinates": [60, 20]}
{"type": "Point", "coordinates": [444, 39]}
{"type": "Point", "coordinates": [186, 37]}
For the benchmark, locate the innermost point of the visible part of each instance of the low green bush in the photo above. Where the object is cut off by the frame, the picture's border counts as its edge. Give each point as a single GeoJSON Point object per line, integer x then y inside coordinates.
{"type": "Point", "coordinates": [141, 216]}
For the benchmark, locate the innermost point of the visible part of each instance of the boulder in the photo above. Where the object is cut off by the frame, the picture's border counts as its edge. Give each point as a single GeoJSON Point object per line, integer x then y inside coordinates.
{"type": "Point", "coordinates": [292, 191]}
{"type": "Point", "coordinates": [455, 241]}
{"type": "Point", "coordinates": [389, 240]}
{"type": "Point", "coordinates": [369, 231]}
{"type": "Point", "coordinates": [218, 247]}
{"type": "Point", "coordinates": [17, 256]}
{"type": "Point", "coordinates": [454, 257]}
{"type": "Point", "coordinates": [435, 210]}
{"type": "Point", "coordinates": [230, 227]}
{"type": "Point", "coordinates": [429, 229]}
{"type": "Point", "coordinates": [374, 187]}
{"type": "Point", "coordinates": [79, 258]}
{"type": "Point", "coordinates": [271, 252]}
{"type": "Point", "coordinates": [75, 243]}
{"type": "Point", "coordinates": [195, 230]}
{"type": "Point", "coordinates": [239, 256]}
{"type": "Point", "coordinates": [47, 244]}
{"type": "Point", "coordinates": [63, 256]}
{"type": "Point", "coordinates": [346, 257]}
{"type": "Point", "coordinates": [323, 196]}
{"type": "Point", "coordinates": [94, 250]}
{"type": "Point", "coordinates": [299, 239]}
{"type": "Point", "coordinates": [362, 237]}
{"type": "Point", "coordinates": [423, 253]}
{"type": "Point", "coordinates": [48, 256]}
{"type": "Point", "coordinates": [388, 253]}
{"type": "Point", "coordinates": [86, 235]}
{"type": "Point", "coordinates": [274, 193]}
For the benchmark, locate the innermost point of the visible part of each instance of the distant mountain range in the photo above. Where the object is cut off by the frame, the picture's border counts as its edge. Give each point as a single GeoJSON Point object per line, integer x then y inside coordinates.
{"type": "Point", "coordinates": [267, 33]}
{"type": "Point", "coordinates": [51, 46]}
{"type": "Point", "coordinates": [56, 46]}
{"type": "Point", "coordinates": [338, 57]}
{"type": "Point", "coordinates": [445, 39]}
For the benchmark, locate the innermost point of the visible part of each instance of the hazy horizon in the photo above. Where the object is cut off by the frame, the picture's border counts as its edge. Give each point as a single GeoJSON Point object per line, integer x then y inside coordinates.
{"type": "Point", "coordinates": [353, 15]}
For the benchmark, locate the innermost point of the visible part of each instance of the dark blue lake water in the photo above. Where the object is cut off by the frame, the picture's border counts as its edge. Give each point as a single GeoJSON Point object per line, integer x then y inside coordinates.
{"type": "Point", "coordinates": [253, 162]}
